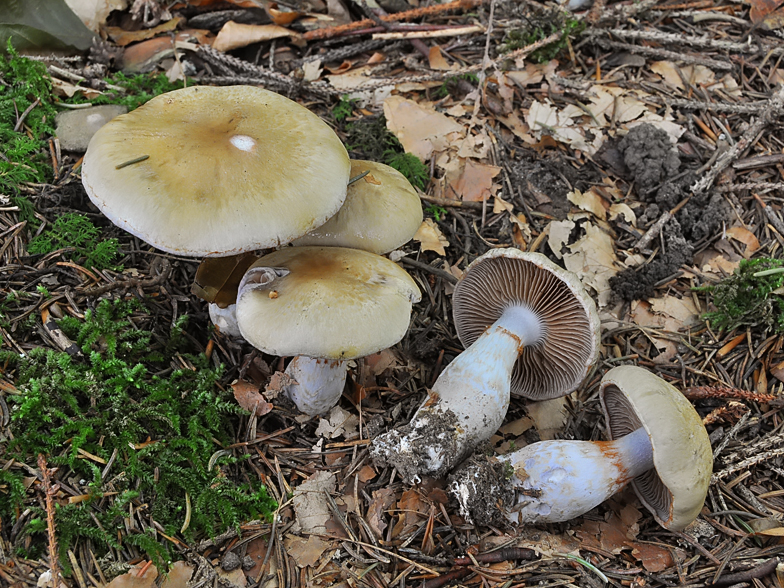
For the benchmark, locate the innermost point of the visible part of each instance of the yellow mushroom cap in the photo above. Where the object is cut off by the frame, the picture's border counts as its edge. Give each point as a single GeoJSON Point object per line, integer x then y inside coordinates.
{"type": "Point", "coordinates": [675, 489]}
{"type": "Point", "coordinates": [382, 211]}
{"type": "Point", "coordinates": [324, 302]}
{"type": "Point", "coordinates": [217, 171]}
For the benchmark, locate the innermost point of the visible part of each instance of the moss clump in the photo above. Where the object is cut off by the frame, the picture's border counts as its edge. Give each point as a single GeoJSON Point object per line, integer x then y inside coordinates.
{"type": "Point", "coordinates": [131, 402]}
{"type": "Point", "coordinates": [540, 28]}
{"type": "Point", "coordinates": [75, 232]}
{"type": "Point", "coordinates": [22, 83]}
{"type": "Point", "coordinates": [748, 300]}
{"type": "Point", "coordinates": [343, 109]}
{"type": "Point", "coordinates": [410, 166]}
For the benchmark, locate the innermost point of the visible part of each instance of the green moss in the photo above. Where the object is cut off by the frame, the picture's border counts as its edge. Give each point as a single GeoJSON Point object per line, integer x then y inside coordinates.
{"type": "Point", "coordinates": [25, 85]}
{"type": "Point", "coordinates": [343, 109]}
{"type": "Point", "coordinates": [75, 232]}
{"type": "Point", "coordinates": [162, 425]}
{"type": "Point", "coordinates": [438, 212]}
{"type": "Point", "coordinates": [540, 28]}
{"type": "Point", "coordinates": [747, 300]}
{"type": "Point", "coordinates": [410, 166]}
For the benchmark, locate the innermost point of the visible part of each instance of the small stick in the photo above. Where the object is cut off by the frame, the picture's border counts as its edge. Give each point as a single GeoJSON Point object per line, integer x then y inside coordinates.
{"type": "Point", "coordinates": [359, 177]}
{"type": "Point", "coordinates": [328, 33]}
{"type": "Point", "coordinates": [656, 227]}
{"type": "Point", "coordinates": [762, 570]}
{"type": "Point", "coordinates": [771, 214]}
{"type": "Point", "coordinates": [419, 34]}
{"type": "Point", "coordinates": [27, 111]}
{"type": "Point", "coordinates": [48, 491]}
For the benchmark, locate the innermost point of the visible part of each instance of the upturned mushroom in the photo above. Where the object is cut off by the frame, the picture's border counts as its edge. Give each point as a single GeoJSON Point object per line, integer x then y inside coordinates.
{"type": "Point", "coordinates": [324, 305]}
{"type": "Point", "coordinates": [382, 211]}
{"type": "Point", "coordinates": [658, 445]}
{"type": "Point", "coordinates": [530, 329]}
{"type": "Point", "coordinates": [206, 171]}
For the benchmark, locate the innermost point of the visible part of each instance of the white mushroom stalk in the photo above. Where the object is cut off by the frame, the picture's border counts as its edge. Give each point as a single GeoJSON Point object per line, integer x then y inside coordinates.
{"type": "Point", "coordinates": [323, 306]}
{"type": "Point", "coordinates": [658, 445]}
{"type": "Point", "coordinates": [554, 481]}
{"type": "Point", "coordinates": [541, 340]}
{"type": "Point", "coordinates": [471, 395]}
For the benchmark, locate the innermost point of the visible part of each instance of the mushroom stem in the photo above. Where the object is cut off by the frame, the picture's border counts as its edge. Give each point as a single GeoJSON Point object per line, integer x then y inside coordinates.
{"type": "Point", "coordinates": [551, 481]}
{"type": "Point", "coordinates": [467, 404]}
{"type": "Point", "coordinates": [318, 383]}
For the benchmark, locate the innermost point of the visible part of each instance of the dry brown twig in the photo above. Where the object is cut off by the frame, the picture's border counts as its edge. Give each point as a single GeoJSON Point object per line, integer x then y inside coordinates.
{"type": "Point", "coordinates": [770, 114]}
{"type": "Point", "coordinates": [54, 567]}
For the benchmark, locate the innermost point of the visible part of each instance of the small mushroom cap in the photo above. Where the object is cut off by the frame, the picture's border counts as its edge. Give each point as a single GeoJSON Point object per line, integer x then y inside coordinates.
{"type": "Point", "coordinates": [226, 170]}
{"type": "Point", "coordinates": [382, 211]}
{"type": "Point", "coordinates": [675, 489]}
{"type": "Point", "coordinates": [324, 302]}
{"type": "Point", "coordinates": [558, 363]}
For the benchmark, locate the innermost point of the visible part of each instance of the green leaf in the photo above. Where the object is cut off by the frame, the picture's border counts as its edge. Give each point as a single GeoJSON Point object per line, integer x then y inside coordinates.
{"type": "Point", "coordinates": [42, 24]}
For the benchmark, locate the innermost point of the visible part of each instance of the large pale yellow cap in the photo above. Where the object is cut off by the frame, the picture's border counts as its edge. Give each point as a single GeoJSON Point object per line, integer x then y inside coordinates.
{"type": "Point", "coordinates": [324, 302]}
{"type": "Point", "coordinates": [382, 211]}
{"type": "Point", "coordinates": [675, 489]}
{"type": "Point", "coordinates": [217, 171]}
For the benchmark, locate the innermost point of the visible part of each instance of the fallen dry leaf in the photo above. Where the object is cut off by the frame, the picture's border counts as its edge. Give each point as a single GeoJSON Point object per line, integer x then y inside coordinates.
{"type": "Point", "coordinates": [381, 500]}
{"type": "Point", "coordinates": [338, 422]}
{"type": "Point", "coordinates": [746, 237]}
{"type": "Point", "coordinates": [420, 129]}
{"type": "Point", "coordinates": [476, 181]}
{"type": "Point", "coordinates": [769, 13]}
{"type": "Point", "coordinates": [310, 504]}
{"type": "Point", "coordinates": [248, 397]}
{"type": "Point", "coordinates": [549, 417]}
{"type": "Point", "coordinates": [593, 259]}
{"type": "Point", "coordinates": [589, 201]}
{"type": "Point", "coordinates": [696, 75]}
{"type": "Point", "coordinates": [430, 237]}
{"type": "Point", "coordinates": [122, 37]}
{"type": "Point", "coordinates": [131, 578]}
{"type": "Point", "coordinates": [306, 552]}
{"type": "Point", "coordinates": [179, 574]}
{"type": "Point", "coordinates": [234, 35]}
{"type": "Point", "coordinates": [437, 60]}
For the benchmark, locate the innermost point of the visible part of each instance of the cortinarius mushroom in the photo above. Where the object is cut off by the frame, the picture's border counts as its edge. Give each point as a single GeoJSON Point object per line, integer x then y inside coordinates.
{"type": "Point", "coordinates": [382, 211]}
{"type": "Point", "coordinates": [659, 445]}
{"type": "Point", "coordinates": [324, 305]}
{"type": "Point", "coordinates": [207, 171]}
{"type": "Point", "coordinates": [531, 329]}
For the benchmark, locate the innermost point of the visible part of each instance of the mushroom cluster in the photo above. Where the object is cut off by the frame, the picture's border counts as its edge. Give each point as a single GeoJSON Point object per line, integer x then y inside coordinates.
{"type": "Point", "coordinates": [225, 172]}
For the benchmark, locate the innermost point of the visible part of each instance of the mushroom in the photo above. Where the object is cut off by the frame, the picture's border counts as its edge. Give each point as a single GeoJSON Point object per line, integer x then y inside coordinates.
{"type": "Point", "coordinates": [658, 444]}
{"type": "Point", "coordinates": [382, 211]}
{"type": "Point", "coordinates": [530, 328]}
{"type": "Point", "coordinates": [324, 305]}
{"type": "Point", "coordinates": [208, 171]}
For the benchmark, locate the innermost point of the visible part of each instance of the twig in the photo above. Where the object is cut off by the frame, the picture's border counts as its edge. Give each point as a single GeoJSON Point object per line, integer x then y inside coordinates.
{"type": "Point", "coordinates": [23, 116]}
{"type": "Point", "coordinates": [424, 34]}
{"type": "Point", "coordinates": [54, 566]}
{"type": "Point", "coordinates": [132, 283]}
{"type": "Point", "coordinates": [676, 39]}
{"type": "Point", "coordinates": [329, 32]}
{"type": "Point", "coordinates": [446, 578]}
{"type": "Point", "coordinates": [656, 227]}
{"type": "Point", "coordinates": [762, 570]}
{"type": "Point", "coordinates": [665, 54]}
{"type": "Point", "coordinates": [698, 392]}
{"type": "Point", "coordinates": [771, 214]}
{"type": "Point", "coordinates": [429, 268]}
{"type": "Point", "coordinates": [768, 116]}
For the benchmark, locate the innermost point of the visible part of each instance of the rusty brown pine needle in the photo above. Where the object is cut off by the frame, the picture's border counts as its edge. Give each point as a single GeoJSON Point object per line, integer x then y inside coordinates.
{"type": "Point", "coordinates": [48, 492]}
{"type": "Point", "coordinates": [698, 392]}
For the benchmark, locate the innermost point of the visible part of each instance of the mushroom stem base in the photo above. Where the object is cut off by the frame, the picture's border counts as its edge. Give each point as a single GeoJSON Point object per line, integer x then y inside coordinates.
{"type": "Point", "coordinates": [466, 406]}
{"type": "Point", "coordinates": [319, 383]}
{"type": "Point", "coordinates": [549, 481]}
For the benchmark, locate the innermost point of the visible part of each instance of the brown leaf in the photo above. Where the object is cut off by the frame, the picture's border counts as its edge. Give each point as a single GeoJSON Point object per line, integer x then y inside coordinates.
{"type": "Point", "coordinates": [476, 182]}
{"type": "Point", "coordinates": [122, 37]}
{"type": "Point", "coordinates": [234, 35]}
{"type": "Point", "coordinates": [278, 384]}
{"type": "Point", "coordinates": [306, 552]}
{"type": "Point", "coordinates": [131, 579]}
{"type": "Point", "coordinates": [767, 12]}
{"type": "Point", "coordinates": [430, 237]}
{"type": "Point", "coordinates": [248, 397]}
{"type": "Point", "coordinates": [381, 500]}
